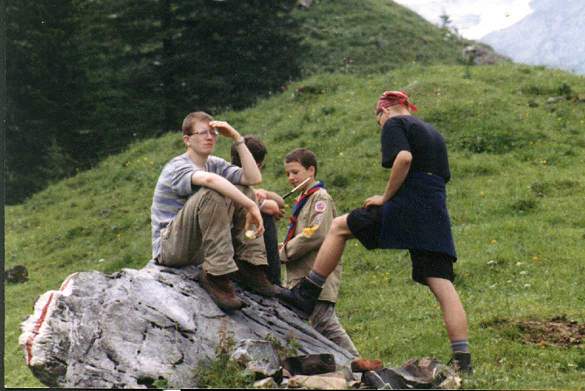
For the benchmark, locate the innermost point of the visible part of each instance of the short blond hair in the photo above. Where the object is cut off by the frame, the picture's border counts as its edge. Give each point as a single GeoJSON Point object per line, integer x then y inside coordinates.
{"type": "Point", "coordinates": [192, 118]}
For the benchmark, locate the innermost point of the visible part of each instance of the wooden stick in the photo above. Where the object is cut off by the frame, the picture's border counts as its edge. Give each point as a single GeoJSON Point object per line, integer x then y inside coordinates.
{"type": "Point", "coordinates": [296, 188]}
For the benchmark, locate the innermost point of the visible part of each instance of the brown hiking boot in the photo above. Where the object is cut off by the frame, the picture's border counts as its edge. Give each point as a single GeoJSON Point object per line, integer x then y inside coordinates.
{"type": "Point", "coordinates": [364, 365]}
{"type": "Point", "coordinates": [254, 278]}
{"type": "Point", "coordinates": [221, 290]}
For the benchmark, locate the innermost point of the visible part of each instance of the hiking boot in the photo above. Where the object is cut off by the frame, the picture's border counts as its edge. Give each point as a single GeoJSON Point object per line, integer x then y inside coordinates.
{"type": "Point", "coordinates": [364, 365]}
{"type": "Point", "coordinates": [221, 290]}
{"type": "Point", "coordinates": [303, 296]}
{"type": "Point", "coordinates": [461, 362]}
{"type": "Point", "coordinates": [254, 278]}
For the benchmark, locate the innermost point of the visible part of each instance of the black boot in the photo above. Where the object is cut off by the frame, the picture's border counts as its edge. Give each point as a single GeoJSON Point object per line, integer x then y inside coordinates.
{"type": "Point", "coordinates": [461, 362]}
{"type": "Point", "coordinates": [303, 296]}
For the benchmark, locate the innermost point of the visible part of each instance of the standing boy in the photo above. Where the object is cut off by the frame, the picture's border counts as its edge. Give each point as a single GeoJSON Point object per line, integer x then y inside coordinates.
{"type": "Point", "coordinates": [311, 218]}
{"type": "Point", "coordinates": [411, 214]}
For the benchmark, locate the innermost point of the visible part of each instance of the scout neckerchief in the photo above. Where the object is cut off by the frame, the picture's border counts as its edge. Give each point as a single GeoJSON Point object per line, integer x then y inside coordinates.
{"type": "Point", "coordinates": [298, 205]}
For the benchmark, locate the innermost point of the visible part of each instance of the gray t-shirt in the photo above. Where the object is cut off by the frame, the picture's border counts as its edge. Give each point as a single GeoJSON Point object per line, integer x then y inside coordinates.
{"type": "Point", "coordinates": [174, 187]}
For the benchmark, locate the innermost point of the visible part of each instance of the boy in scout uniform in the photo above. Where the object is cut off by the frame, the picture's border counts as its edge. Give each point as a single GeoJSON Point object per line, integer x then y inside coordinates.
{"type": "Point", "coordinates": [312, 215]}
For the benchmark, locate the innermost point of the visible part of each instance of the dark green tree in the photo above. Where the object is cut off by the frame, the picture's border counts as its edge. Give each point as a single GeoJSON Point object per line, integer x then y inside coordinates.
{"type": "Point", "coordinates": [44, 95]}
{"type": "Point", "coordinates": [89, 77]}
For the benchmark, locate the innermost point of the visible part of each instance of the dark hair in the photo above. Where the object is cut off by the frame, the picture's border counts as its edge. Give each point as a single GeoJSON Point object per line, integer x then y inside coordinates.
{"type": "Point", "coordinates": [305, 157]}
{"type": "Point", "coordinates": [192, 118]}
{"type": "Point", "coordinates": [256, 147]}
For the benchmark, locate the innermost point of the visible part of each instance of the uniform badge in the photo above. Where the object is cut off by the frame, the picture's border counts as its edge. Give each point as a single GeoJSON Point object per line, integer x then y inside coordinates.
{"type": "Point", "coordinates": [320, 206]}
{"type": "Point", "coordinates": [310, 231]}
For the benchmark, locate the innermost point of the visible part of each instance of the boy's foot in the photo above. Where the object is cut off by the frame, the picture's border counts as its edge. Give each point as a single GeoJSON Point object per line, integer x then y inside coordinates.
{"type": "Point", "coordinates": [303, 296]}
{"type": "Point", "coordinates": [461, 362]}
{"type": "Point", "coordinates": [221, 290]}
{"type": "Point", "coordinates": [254, 278]}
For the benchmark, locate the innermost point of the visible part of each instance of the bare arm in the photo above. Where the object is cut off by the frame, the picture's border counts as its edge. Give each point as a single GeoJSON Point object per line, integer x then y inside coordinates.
{"type": "Point", "coordinates": [226, 188]}
{"type": "Point", "coordinates": [250, 172]}
{"type": "Point", "coordinates": [263, 194]}
{"type": "Point", "coordinates": [400, 169]}
{"type": "Point", "coordinates": [271, 208]}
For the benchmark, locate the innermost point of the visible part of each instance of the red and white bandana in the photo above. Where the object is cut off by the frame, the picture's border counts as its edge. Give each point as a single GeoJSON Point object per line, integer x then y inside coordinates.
{"type": "Point", "coordinates": [392, 98]}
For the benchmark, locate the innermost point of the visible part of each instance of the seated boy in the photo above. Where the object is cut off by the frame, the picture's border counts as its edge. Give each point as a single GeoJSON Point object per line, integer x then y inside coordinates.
{"type": "Point", "coordinates": [271, 207]}
{"type": "Point", "coordinates": [312, 215]}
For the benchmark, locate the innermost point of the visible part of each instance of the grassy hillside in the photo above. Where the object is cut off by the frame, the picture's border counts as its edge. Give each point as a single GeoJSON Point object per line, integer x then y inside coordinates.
{"type": "Point", "coordinates": [370, 36]}
{"type": "Point", "coordinates": [516, 203]}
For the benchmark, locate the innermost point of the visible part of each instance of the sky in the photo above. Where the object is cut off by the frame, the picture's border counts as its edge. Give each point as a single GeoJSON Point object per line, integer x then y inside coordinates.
{"type": "Point", "coordinates": [472, 18]}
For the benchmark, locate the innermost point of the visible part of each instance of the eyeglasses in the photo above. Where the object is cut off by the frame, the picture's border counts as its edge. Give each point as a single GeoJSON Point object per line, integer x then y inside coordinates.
{"type": "Point", "coordinates": [211, 132]}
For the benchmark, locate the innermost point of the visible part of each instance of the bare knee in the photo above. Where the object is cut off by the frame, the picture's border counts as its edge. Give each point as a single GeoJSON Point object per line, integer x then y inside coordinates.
{"type": "Point", "coordinates": [339, 227]}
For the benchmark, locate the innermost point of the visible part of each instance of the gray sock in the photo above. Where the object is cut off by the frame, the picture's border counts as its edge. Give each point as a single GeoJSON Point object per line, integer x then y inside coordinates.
{"type": "Point", "coordinates": [460, 346]}
{"type": "Point", "coordinates": [317, 279]}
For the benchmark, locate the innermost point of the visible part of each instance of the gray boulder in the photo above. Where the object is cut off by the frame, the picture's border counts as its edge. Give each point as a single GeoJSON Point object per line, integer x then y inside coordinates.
{"type": "Point", "coordinates": [134, 327]}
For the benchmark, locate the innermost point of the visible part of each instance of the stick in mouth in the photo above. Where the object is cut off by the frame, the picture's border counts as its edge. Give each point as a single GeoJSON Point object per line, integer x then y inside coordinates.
{"type": "Point", "coordinates": [296, 188]}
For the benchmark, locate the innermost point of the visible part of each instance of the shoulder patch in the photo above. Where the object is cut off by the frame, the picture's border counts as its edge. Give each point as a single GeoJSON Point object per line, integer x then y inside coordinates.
{"type": "Point", "coordinates": [320, 206]}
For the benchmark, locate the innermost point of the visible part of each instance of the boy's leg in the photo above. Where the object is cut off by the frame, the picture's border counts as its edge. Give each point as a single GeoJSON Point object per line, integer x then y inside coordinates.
{"type": "Point", "coordinates": [332, 248]}
{"type": "Point", "coordinates": [200, 233]}
{"type": "Point", "coordinates": [305, 294]}
{"type": "Point", "coordinates": [363, 224]}
{"type": "Point", "coordinates": [455, 322]}
{"type": "Point", "coordinates": [436, 271]}
{"type": "Point", "coordinates": [271, 244]}
{"type": "Point", "coordinates": [325, 320]}
{"type": "Point", "coordinates": [451, 306]}
{"type": "Point", "coordinates": [250, 254]}
{"type": "Point", "coordinates": [252, 251]}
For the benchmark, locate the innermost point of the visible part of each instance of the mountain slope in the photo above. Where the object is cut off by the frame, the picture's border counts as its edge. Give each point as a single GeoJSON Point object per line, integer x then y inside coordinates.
{"type": "Point", "coordinates": [370, 36]}
{"type": "Point", "coordinates": [515, 199]}
{"type": "Point", "coordinates": [555, 34]}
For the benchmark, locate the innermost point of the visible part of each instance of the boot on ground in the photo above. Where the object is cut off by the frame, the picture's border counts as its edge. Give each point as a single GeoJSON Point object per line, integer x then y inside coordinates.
{"type": "Point", "coordinates": [461, 363]}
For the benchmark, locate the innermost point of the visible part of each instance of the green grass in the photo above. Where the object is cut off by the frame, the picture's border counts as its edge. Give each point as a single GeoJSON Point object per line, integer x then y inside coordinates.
{"type": "Point", "coordinates": [371, 36]}
{"type": "Point", "coordinates": [516, 203]}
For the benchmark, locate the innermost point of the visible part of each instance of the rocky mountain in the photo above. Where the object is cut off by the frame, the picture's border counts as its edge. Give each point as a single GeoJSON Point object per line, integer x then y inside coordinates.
{"type": "Point", "coordinates": [552, 35]}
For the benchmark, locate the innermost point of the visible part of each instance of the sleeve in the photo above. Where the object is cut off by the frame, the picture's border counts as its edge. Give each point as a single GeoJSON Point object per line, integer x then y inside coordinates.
{"type": "Point", "coordinates": [227, 170]}
{"type": "Point", "coordinates": [394, 140]}
{"type": "Point", "coordinates": [180, 178]}
{"type": "Point", "coordinates": [318, 223]}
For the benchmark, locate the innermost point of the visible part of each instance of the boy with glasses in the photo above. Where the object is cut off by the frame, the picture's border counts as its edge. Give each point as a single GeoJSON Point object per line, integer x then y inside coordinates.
{"type": "Point", "coordinates": [201, 208]}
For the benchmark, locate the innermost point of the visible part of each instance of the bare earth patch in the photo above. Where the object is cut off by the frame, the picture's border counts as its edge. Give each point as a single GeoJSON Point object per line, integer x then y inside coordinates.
{"type": "Point", "coordinates": [559, 331]}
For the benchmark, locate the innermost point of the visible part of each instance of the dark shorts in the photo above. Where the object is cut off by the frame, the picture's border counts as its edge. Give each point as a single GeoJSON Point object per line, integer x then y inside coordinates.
{"type": "Point", "coordinates": [366, 223]}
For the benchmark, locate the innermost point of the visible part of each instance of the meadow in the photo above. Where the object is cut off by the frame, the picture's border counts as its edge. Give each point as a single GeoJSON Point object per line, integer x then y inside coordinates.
{"type": "Point", "coordinates": [516, 140]}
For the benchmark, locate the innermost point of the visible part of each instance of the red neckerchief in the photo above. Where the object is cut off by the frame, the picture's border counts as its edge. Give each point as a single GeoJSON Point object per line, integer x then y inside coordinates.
{"type": "Point", "coordinates": [298, 205]}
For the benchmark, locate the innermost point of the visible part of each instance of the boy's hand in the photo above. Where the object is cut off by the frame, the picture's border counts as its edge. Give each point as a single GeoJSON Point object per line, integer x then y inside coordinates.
{"type": "Point", "coordinates": [225, 129]}
{"type": "Point", "coordinates": [376, 200]}
{"type": "Point", "coordinates": [253, 217]}
{"type": "Point", "coordinates": [261, 195]}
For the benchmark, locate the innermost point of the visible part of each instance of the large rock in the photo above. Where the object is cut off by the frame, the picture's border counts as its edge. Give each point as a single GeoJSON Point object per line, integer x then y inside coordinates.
{"type": "Point", "coordinates": [134, 327]}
